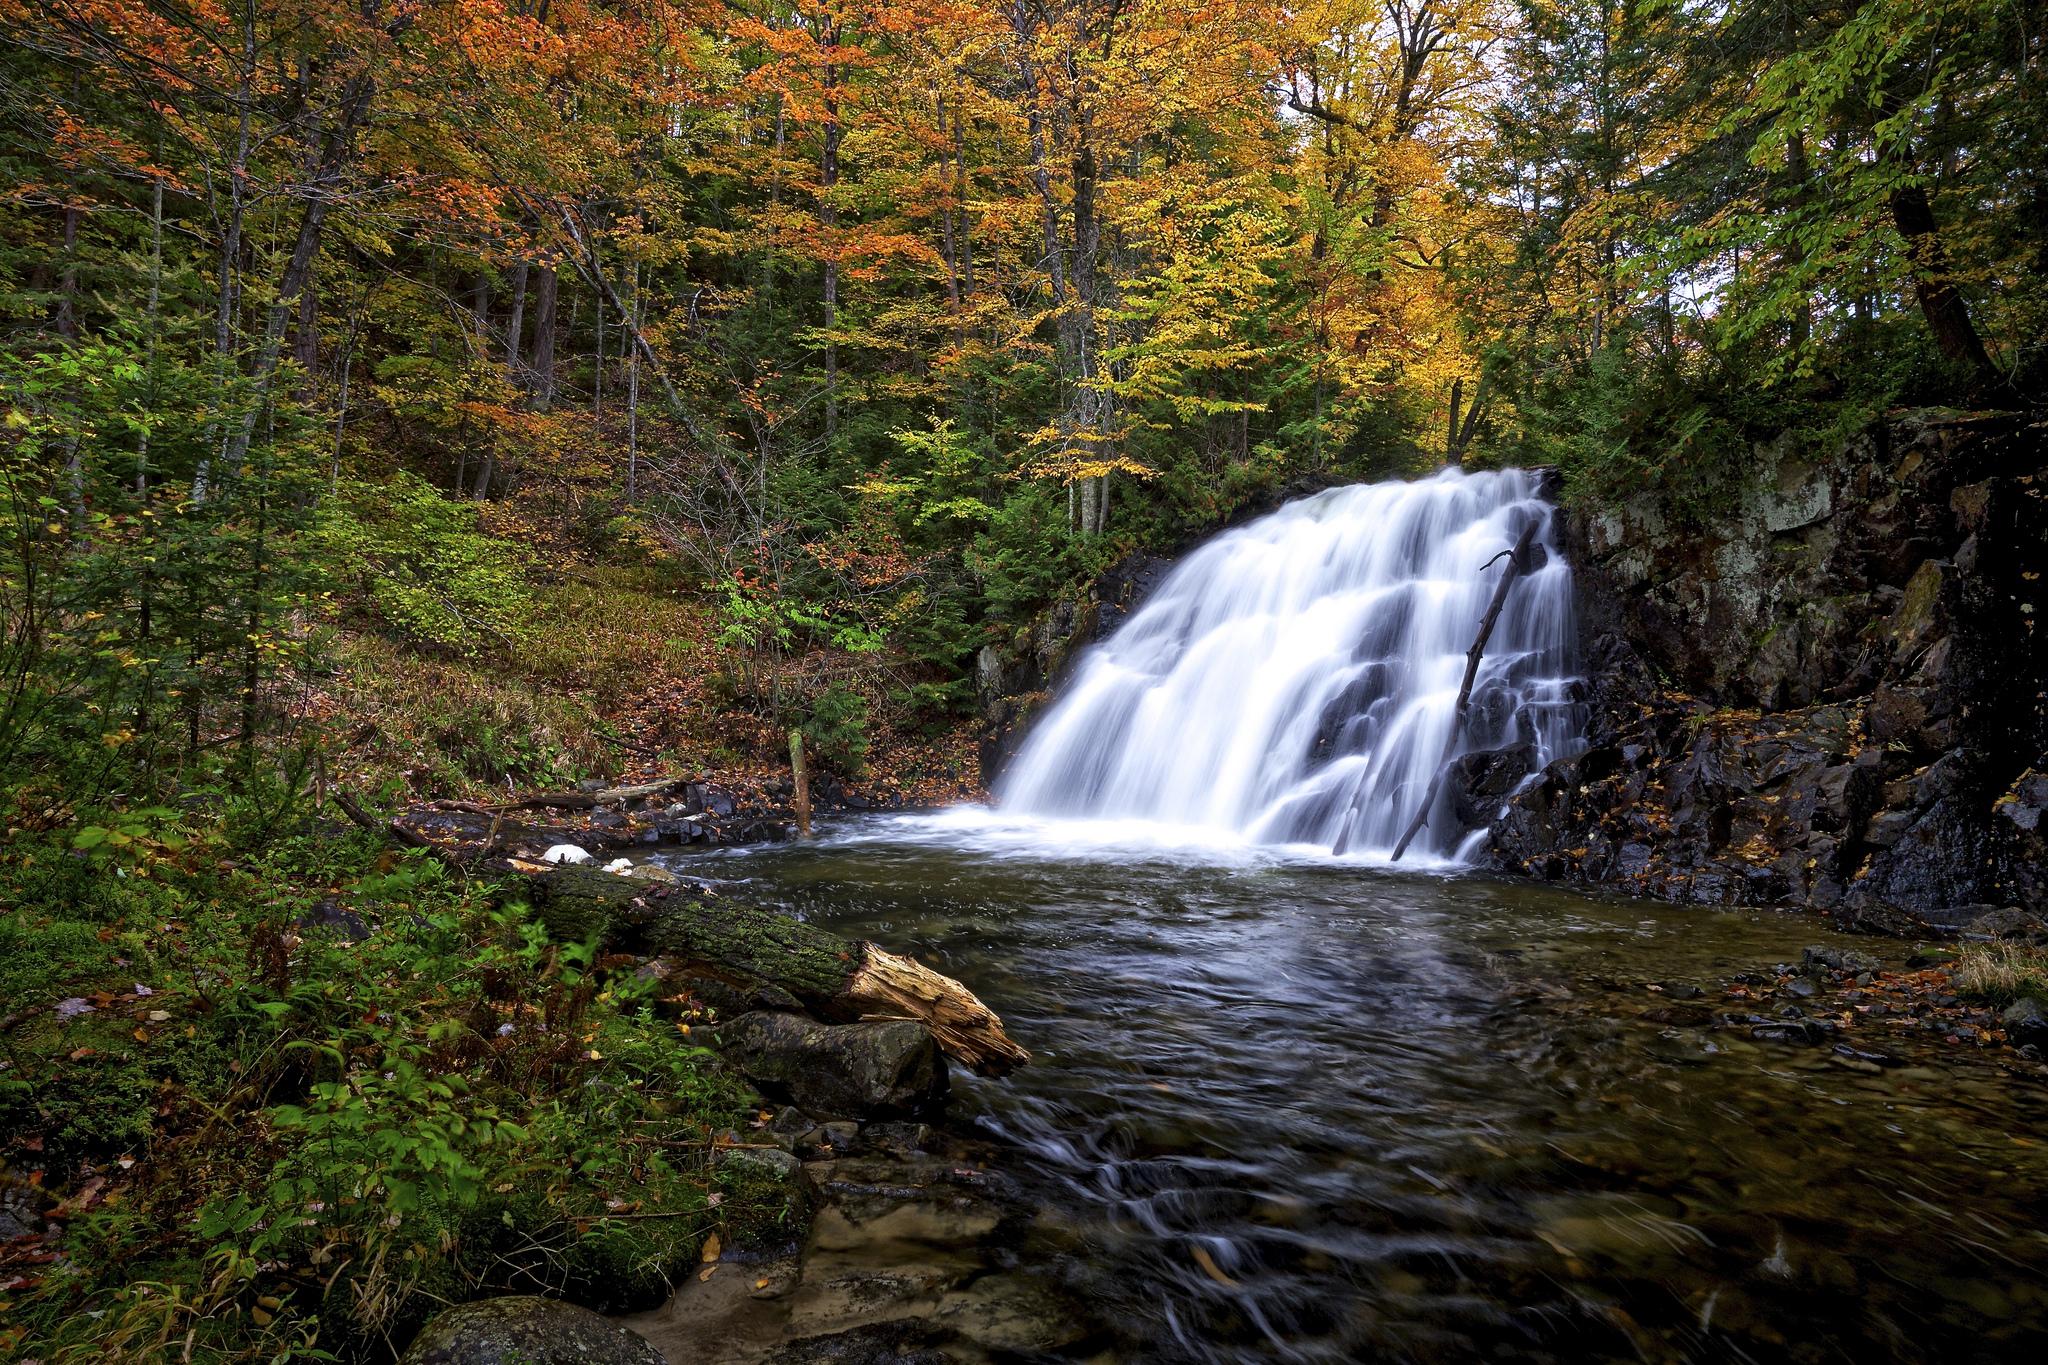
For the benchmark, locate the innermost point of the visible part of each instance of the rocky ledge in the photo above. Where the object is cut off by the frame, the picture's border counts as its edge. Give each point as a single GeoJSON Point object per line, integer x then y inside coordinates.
{"type": "Point", "coordinates": [1832, 699]}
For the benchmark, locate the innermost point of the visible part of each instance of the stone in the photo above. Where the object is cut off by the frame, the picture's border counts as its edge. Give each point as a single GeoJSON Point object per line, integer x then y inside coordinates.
{"type": "Point", "coordinates": [764, 1163]}
{"type": "Point", "coordinates": [1818, 959]}
{"type": "Point", "coordinates": [878, 1067]}
{"type": "Point", "coordinates": [2025, 1023]}
{"type": "Point", "coordinates": [330, 916]}
{"type": "Point", "coordinates": [905, 1341]}
{"type": "Point", "coordinates": [526, 1329]}
{"type": "Point", "coordinates": [1010, 1313]}
{"type": "Point", "coordinates": [2009, 922]}
{"type": "Point", "coordinates": [653, 872]}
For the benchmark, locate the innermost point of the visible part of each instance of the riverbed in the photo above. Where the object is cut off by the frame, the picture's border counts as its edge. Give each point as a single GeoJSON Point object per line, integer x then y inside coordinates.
{"type": "Point", "coordinates": [1285, 1107]}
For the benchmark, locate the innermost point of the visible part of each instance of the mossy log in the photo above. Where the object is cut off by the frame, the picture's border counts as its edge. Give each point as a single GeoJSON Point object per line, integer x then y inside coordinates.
{"type": "Point", "coordinates": [842, 980]}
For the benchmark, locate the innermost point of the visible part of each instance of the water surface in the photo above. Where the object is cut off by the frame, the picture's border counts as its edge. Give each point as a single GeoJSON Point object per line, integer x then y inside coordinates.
{"type": "Point", "coordinates": [1289, 1108]}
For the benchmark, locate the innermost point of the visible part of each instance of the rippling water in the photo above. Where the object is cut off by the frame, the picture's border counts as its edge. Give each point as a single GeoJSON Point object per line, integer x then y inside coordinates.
{"type": "Point", "coordinates": [1292, 1109]}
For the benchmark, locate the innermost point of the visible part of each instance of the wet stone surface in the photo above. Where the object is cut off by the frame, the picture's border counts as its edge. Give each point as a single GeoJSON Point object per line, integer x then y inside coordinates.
{"type": "Point", "coordinates": [904, 1261]}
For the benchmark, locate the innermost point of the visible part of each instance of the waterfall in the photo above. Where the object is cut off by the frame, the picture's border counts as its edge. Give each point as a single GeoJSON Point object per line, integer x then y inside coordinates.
{"type": "Point", "coordinates": [1294, 681]}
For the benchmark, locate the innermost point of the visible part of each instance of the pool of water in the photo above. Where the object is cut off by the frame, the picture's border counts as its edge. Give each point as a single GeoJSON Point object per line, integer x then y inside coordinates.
{"type": "Point", "coordinates": [1289, 1108]}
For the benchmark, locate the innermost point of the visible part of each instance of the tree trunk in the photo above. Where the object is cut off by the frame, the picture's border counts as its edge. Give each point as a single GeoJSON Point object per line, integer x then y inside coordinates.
{"type": "Point", "coordinates": [1451, 430]}
{"type": "Point", "coordinates": [840, 979]}
{"type": "Point", "coordinates": [67, 282]}
{"type": "Point", "coordinates": [327, 164]}
{"type": "Point", "coordinates": [544, 338]}
{"type": "Point", "coordinates": [1948, 316]}
{"type": "Point", "coordinates": [306, 339]}
{"type": "Point", "coordinates": [515, 326]}
{"type": "Point", "coordinates": [633, 396]}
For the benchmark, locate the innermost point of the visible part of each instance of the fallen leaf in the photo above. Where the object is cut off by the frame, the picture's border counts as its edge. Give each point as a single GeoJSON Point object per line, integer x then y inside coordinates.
{"type": "Point", "coordinates": [1210, 1268]}
{"type": "Point", "coordinates": [711, 1249]}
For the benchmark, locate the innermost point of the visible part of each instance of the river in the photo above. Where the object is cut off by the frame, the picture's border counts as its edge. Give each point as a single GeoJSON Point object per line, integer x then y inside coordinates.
{"type": "Point", "coordinates": [1293, 1108]}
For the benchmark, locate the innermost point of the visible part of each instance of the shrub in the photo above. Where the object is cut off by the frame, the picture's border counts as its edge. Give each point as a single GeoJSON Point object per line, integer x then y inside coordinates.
{"type": "Point", "coordinates": [836, 730]}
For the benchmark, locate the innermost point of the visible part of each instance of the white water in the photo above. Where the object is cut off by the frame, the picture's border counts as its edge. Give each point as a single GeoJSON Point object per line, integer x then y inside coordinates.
{"type": "Point", "coordinates": [1292, 682]}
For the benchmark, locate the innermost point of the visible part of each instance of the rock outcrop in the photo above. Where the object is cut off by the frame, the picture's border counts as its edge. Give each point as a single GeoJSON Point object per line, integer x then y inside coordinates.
{"type": "Point", "coordinates": [1831, 697]}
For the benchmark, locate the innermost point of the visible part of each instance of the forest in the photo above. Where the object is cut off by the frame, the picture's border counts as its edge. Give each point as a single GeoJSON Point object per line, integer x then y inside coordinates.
{"type": "Point", "coordinates": [413, 401]}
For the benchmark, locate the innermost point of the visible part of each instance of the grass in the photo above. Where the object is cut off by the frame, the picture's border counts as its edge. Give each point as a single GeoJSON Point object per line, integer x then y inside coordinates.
{"type": "Point", "coordinates": [2000, 973]}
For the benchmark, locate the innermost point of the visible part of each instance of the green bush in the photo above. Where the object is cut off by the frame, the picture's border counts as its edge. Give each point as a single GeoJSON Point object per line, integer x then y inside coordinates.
{"type": "Point", "coordinates": [836, 730]}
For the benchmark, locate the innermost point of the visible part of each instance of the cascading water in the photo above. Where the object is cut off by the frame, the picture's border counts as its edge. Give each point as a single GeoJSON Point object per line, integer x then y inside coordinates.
{"type": "Point", "coordinates": [1294, 681]}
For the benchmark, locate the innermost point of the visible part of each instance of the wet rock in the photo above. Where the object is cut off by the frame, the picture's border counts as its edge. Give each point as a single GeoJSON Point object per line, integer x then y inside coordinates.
{"type": "Point", "coordinates": [527, 1330]}
{"type": "Point", "coordinates": [790, 1127]}
{"type": "Point", "coordinates": [2025, 1023]}
{"type": "Point", "coordinates": [1807, 1031]}
{"type": "Point", "coordinates": [723, 998]}
{"type": "Point", "coordinates": [1825, 696]}
{"type": "Point", "coordinates": [839, 1070]}
{"type": "Point", "coordinates": [1818, 959]}
{"type": "Point", "coordinates": [897, 1139]}
{"type": "Point", "coordinates": [653, 872]}
{"type": "Point", "coordinates": [2008, 923]}
{"type": "Point", "coordinates": [909, 1341]}
{"type": "Point", "coordinates": [1479, 782]}
{"type": "Point", "coordinates": [1013, 1312]}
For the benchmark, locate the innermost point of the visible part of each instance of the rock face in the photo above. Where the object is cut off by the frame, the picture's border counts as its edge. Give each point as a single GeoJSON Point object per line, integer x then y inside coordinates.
{"type": "Point", "coordinates": [1016, 680]}
{"type": "Point", "coordinates": [838, 1070]}
{"type": "Point", "coordinates": [527, 1330]}
{"type": "Point", "coordinates": [1832, 697]}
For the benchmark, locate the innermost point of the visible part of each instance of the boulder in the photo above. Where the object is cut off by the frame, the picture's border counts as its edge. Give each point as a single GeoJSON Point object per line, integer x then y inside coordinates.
{"type": "Point", "coordinates": [2025, 1023]}
{"type": "Point", "coordinates": [526, 1329]}
{"type": "Point", "coordinates": [877, 1067]}
{"type": "Point", "coordinates": [2008, 923]}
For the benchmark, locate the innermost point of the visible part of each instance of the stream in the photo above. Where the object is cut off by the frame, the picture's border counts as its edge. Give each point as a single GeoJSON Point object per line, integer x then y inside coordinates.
{"type": "Point", "coordinates": [1294, 1108]}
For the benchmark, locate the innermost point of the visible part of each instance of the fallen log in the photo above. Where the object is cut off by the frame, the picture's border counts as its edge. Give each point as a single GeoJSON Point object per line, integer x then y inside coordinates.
{"type": "Point", "coordinates": [1518, 559]}
{"type": "Point", "coordinates": [609, 796]}
{"type": "Point", "coordinates": [842, 980]}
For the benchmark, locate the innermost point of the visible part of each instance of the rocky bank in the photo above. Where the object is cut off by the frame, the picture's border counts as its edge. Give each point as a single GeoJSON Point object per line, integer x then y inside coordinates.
{"type": "Point", "coordinates": [1831, 696]}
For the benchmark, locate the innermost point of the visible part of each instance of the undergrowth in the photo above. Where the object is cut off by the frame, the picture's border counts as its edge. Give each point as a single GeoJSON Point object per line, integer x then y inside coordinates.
{"type": "Point", "coordinates": [282, 1103]}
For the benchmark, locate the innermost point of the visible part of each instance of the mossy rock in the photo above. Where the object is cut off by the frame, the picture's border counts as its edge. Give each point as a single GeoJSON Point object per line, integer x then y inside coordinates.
{"type": "Point", "coordinates": [527, 1330]}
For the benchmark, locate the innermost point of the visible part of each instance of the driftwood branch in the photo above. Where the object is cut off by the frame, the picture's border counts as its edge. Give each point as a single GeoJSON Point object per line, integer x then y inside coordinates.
{"type": "Point", "coordinates": [1518, 558]}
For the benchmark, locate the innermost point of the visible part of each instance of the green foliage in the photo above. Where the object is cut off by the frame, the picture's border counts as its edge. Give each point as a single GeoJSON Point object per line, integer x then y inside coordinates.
{"type": "Point", "coordinates": [835, 730]}
{"type": "Point", "coordinates": [353, 1088]}
{"type": "Point", "coordinates": [151, 591]}
{"type": "Point", "coordinates": [417, 560]}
